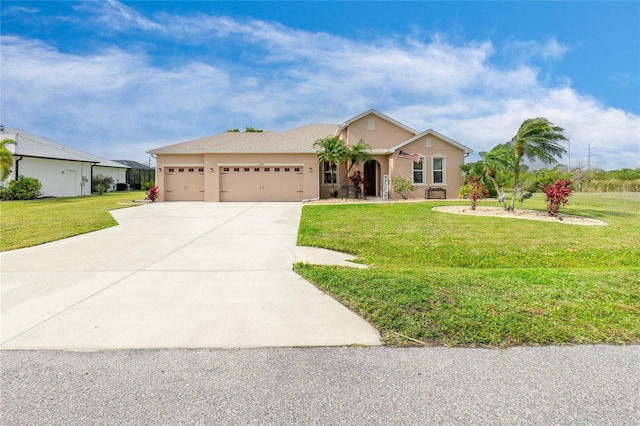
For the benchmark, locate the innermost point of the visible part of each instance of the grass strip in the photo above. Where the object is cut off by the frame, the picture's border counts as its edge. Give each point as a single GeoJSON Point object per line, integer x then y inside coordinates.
{"type": "Point", "coordinates": [458, 280]}
{"type": "Point", "coordinates": [490, 307]}
{"type": "Point", "coordinates": [34, 222]}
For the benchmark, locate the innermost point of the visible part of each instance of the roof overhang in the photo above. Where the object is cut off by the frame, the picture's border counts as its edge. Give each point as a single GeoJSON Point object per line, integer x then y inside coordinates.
{"type": "Point", "coordinates": [271, 151]}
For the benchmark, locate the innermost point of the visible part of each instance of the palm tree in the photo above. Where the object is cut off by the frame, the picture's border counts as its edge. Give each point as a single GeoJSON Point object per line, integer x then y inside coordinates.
{"type": "Point", "coordinates": [537, 139]}
{"type": "Point", "coordinates": [331, 150]}
{"type": "Point", "coordinates": [500, 159]}
{"type": "Point", "coordinates": [6, 158]}
{"type": "Point", "coordinates": [358, 152]}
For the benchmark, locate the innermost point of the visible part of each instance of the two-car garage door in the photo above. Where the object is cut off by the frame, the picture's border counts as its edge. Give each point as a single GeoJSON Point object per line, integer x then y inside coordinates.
{"type": "Point", "coordinates": [261, 183]}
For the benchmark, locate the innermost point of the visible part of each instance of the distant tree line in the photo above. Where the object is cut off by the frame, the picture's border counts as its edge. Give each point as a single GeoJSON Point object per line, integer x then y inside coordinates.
{"type": "Point", "coordinates": [593, 180]}
{"type": "Point", "coordinates": [246, 130]}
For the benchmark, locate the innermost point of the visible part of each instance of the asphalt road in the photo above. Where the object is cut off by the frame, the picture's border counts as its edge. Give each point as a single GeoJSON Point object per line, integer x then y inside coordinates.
{"type": "Point", "coordinates": [339, 385]}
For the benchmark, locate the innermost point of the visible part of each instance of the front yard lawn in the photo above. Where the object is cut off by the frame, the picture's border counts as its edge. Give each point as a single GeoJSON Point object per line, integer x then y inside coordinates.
{"type": "Point", "coordinates": [455, 280]}
{"type": "Point", "coordinates": [33, 222]}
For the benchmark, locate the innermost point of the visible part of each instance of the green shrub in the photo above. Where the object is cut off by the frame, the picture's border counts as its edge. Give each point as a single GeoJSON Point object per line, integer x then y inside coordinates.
{"type": "Point", "coordinates": [25, 188]}
{"type": "Point", "coordinates": [101, 184]}
{"type": "Point", "coordinates": [145, 186]}
{"type": "Point", "coordinates": [402, 185]}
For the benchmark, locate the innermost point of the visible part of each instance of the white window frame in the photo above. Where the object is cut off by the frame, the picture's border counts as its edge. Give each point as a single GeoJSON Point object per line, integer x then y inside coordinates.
{"type": "Point", "coordinates": [325, 170]}
{"type": "Point", "coordinates": [414, 169]}
{"type": "Point", "coordinates": [443, 170]}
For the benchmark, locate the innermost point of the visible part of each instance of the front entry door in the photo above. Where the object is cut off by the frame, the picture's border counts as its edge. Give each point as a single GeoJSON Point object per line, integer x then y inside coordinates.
{"type": "Point", "coordinates": [371, 178]}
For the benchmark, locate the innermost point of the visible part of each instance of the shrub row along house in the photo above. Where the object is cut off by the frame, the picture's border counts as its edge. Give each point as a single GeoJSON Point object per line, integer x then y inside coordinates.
{"type": "Point", "coordinates": [62, 170]}
{"type": "Point", "coordinates": [269, 166]}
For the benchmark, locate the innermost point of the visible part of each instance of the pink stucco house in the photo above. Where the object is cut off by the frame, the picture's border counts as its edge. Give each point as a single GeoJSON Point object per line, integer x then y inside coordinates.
{"type": "Point", "coordinates": [271, 166]}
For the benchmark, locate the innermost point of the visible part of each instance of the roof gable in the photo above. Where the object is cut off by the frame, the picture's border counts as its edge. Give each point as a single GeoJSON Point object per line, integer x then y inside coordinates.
{"type": "Point", "coordinates": [380, 115]}
{"type": "Point", "coordinates": [450, 141]}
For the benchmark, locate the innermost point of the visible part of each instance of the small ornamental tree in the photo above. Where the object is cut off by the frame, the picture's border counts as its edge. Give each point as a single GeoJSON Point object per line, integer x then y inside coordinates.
{"type": "Point", "coordinates": [476, 191]}
{"type": "Point", "coordinates": [557, 195]}
{"type": "Point", "coordinates": [402, 185]}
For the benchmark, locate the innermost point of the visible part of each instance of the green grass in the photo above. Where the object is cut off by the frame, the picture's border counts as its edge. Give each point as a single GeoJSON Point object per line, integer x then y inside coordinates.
{"type": "Point", "coordinates": [485, 281]}
{"type": "Point", "coordinates": [29, 223]}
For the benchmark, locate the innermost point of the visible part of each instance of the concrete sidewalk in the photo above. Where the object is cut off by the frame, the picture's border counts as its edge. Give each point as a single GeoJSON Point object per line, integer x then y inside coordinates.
{"type": "Point", "coordinates": [174, 275]}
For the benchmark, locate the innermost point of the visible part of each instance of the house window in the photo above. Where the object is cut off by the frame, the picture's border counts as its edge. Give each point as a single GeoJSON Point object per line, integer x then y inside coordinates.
{"type": "Point", "coordinates": [256, 169]}
{"type": "Point", "coordinates": [329, 176]}
{"type": "Point", "coordinates": [200, 170]}
{"type": "Point", "coordinates": [296, 169]}
{"type": "Point", "coordinates": [180, 170]}
{"type": "Point", "coordinates": [191, 170]}
{"type": "Point", "coordinates": [438, 170]}
{"type": "Point", "coordinates": [371, 124]}
{"type": "Point", "coordinates": [418, 172]}
{"type": "Point", "coordinates": [226, 169]}
{"type": "Point", "coordinates": [276, 169]}
{"type": "Point", "coordinates": [247, 169]}
{"type": "Point", "coordinates": [287, 169]}
{"type": "Point", "coordinates": [236, 169]}
{"type": "Point", "coordinates": [172, 170]}
{"type": "Point", "coordinates": [266, 169]}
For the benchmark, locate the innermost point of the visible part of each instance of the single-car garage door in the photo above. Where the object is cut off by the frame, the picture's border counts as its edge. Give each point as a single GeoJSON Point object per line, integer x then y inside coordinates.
{"type": "Point", "coordinates": [184, 183]}
{"type": "Point", "coordinates": [252, 183]}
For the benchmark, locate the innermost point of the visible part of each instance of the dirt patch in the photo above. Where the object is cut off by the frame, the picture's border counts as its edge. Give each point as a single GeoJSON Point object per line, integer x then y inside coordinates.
{"type": "Point", "coordinates": [520, 214]}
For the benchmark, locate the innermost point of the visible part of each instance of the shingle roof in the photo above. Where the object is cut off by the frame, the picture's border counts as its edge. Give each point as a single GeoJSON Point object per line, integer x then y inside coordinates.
{"type": "Point", "coordinates": [134, 164]}
{"type": "Point", "coordinates": [297, 140]}
{"type": "Point", "coordinates": [30, 145]}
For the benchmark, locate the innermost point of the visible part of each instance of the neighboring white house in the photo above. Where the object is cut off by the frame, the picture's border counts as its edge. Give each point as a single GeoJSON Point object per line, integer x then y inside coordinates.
{"type": "Point", "coordinates": [62, 170]}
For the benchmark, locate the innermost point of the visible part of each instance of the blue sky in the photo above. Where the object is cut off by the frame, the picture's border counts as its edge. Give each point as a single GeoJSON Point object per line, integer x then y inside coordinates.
{"type": "Point", "coordinates": [119, 78]}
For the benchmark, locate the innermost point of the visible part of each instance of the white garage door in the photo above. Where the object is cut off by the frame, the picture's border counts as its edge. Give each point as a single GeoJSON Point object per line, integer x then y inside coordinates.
{"type": "Point", "coordinates": [184, 183]}
{"type": "Point", "coordinates": [253, 183]}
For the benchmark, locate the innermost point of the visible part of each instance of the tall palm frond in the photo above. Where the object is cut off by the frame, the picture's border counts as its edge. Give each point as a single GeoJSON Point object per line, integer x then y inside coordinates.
{"type": "Point", "coordinates": [6, 158]}
{"type": "Point", "coordinates": [537, 139]}
{"type": "Point", "coordinates": [332, 150]}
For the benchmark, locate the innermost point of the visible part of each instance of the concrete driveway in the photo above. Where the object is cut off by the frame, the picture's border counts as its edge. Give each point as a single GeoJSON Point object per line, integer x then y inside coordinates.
{"type": "Point", "coordinates": [173, 275]}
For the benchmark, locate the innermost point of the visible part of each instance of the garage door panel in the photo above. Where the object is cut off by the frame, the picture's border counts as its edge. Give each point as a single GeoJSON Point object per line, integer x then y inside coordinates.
{"type": "Point", "coordinates": [279, 183]}
{"type": "Point", "coordinates": [184, 183]}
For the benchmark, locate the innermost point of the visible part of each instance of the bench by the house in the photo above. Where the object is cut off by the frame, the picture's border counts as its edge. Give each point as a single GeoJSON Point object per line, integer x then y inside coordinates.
{"type": "Point", "coordinates": [353, 191]}
{"type": "Point", "coordinates": [435, 193]}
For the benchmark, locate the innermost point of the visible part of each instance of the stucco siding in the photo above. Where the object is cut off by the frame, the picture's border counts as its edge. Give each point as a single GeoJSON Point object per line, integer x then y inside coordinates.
{"type": "Point", "coordinates": [431, 148]}
{"type": "Point", "coordinates": [385, 134]}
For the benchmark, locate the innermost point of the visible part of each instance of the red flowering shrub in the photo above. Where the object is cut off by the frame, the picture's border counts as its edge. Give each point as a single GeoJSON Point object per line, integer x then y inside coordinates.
{"type": "Point", "coordinates": [357, 178]}
{"type": "Point", "coordinates": [153, 193]}
{"type": "Point", "coordinates": [557, 195]}
{"type": "Point", "coordinates": [476, 191]}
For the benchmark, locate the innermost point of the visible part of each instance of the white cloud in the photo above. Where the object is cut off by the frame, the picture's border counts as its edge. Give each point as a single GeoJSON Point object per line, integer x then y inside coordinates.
{"type": "Point", "coordinates": [550, 49]}
{"type": "Point", "coordinates": [119, 103]}
{"type": "Point", "coordinates": [114, 15]}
